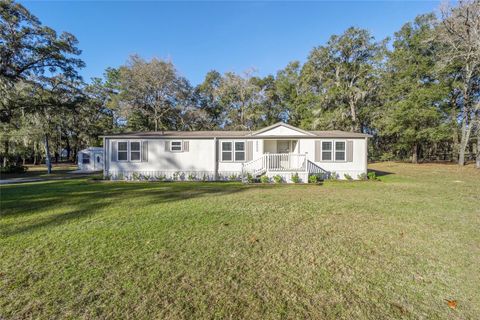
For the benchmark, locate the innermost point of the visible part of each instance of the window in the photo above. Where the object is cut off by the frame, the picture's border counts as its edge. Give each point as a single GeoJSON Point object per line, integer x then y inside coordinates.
{"type": "Point", "coordinates": [233, 151]}
{"type": "Point", "coordinates": [339, 150]}
{"type": "Point", "coordinates": [86, 158]}
{"type": "Point", "coordinates": [240, 151]}
{"type": "Point", "coordinates": [134, 151]}
{"type": "Point", "coordinates": [122, 151]}
{"type": "Point", "coordinates": [176, 145]}
{"type": "Point", "coordinates": [227, 151]}
{"type": "Point", "coordinates": [326, 151]}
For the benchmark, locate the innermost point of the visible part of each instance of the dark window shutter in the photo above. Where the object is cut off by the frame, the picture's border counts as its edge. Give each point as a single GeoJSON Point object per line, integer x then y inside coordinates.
{"type": "Point", "coordinates": [113, 153]}
{"type": "Point", "coordinates": [349, 151]}
{"type": "Point", "coordinates": [144, 151]}
{"type": "Point", "coordinates": [249, 151]}
{"type": "Point", "coordinates": [317, 150]}
{"type": "Point", "coordinates": [167, 145]}
{"type": "Point", "coordinates": [186, 146]}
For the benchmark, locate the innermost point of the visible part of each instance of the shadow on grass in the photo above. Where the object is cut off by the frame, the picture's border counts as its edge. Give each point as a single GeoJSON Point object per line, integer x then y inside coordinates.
{"type": "Point", "coordinates": [380, 173]}
{"type": "Point", "coordinates": [33, 201]}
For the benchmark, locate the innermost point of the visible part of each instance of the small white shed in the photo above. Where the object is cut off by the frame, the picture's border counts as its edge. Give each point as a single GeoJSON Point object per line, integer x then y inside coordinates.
{"type": "Point", "coordinates": [91, 159]}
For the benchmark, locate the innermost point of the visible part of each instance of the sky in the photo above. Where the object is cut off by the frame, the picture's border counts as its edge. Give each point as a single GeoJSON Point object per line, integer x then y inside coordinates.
{"type": "Point", "coordinates": [224, 36]}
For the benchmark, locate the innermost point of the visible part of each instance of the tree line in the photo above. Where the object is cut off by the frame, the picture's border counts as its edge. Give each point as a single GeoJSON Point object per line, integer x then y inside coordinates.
{"type": "Point", "coordinates": [417, 93]}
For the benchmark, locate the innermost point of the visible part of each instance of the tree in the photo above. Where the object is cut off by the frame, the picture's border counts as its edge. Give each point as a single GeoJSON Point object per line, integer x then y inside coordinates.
{"type": "Point", "coordinates": [292, 96]}
{"type": "Point", "coordinates": [153, 89]}
{"type": "Point", "coordinates": [241, 99]}
{"type": "Point", "coordinates": [33, 54]}
{"type": "Point", "coordinates": [343, 75]}
{"type": "Point", "coordinates": [208, 99]}
{"type": "Point", "coordinates": [52, 104]}
{"type": "Point", "coordinates": [459, 35]}
{"type": "Point", "coordinates": [413, 93]}
{"type": "Point", "coordinates": [269, 101]}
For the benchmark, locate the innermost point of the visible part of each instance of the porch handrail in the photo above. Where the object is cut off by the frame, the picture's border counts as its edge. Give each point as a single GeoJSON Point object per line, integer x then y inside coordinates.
{"type": "Point", "coordinates": [276, 162]}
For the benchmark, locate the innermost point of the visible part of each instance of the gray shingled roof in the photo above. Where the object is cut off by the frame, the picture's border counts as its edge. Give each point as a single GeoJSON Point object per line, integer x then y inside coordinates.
{"type": "Point", "coordinates": [231, 134]}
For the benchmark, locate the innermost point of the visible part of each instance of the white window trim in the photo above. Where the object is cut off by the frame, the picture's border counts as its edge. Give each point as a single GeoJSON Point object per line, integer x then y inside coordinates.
{"type": "Point", "coordinates": [231, 151]}
{"type": "Point", "coordinates": [130, 151]}
{"type": "Point", "coordinates": [333, 150]}
{"type": "Point", "coordinates": [244, 151]}
{"type": "Point", "coordinates": [127, 151]}
{"type": "Point", "coordinates": [171, 145]}
{"type": "Point", "coordinates": [344, 150]}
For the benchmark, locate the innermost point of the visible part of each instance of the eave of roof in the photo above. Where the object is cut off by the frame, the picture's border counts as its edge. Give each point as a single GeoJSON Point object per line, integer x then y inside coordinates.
{"type": "Point", "coordinates": [234, 134]}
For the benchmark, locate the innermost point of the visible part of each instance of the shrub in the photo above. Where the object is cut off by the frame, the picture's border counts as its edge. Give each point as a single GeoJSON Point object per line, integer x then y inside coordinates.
{"type": "Point", "coordinates": [136, 176]}
{"type": "Point", "coordinates": [387, 156]}
{"type": "Point", "coordinates": [250, 178]}
{"type": "Point", "coordinates": [295, 178]}
{"type": "Point", "coordinates": [14, 169]}
{"type": "Point", "coordinates": [313, 179]}
{"type": "Point", "coordinates": [264, 179]}
{"type": "Point", "coordinates": [278, 178]}
{"type": "Point", "coordinates": [363, 176]}
{"type": "Point", "coordinates": [348, 177]}
{"type": "Point", "coordinates": [372, 175]}
{"type": "Point", "coordinates": [192, 177]}
{"type": "Point", "coordinates": [233, 177]}
{"type": "Point", "coordinates": [333, 176]}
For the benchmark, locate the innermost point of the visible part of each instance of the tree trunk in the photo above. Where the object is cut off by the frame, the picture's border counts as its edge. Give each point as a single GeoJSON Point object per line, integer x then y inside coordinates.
{"type": "Point", "coordinates": [456, 142]}
{"type": "Point", "coordinates": [34, 153]}
{"type": "Point", "coordinates": [355, 125]}
{"type": "Point", "coordinates": [466, 123]}
{"type": "Point", "coordinates": [478, 149]}
{"type": "Point", "coordinates": [68, 149]}
{"type": "Point", "coordinates": [48, 161]}
{"type": "Point", "coordinates": [5, 157]}
{"type": "Point", "coordinates": [415, 154]}
{"type": "Point", "coordinates": [466, 130]}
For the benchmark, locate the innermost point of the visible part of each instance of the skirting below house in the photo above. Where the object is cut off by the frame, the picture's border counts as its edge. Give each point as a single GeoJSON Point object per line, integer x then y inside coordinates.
{"type": "Point", "coordinates": [174, 175]}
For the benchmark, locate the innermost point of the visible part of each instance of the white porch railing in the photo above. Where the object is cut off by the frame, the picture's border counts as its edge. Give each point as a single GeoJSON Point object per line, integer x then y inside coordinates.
{"type": "Point", "coordinates": [276, 162]}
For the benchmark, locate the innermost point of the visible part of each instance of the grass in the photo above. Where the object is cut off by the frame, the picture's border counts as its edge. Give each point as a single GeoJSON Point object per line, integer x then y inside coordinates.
{"type": "Point", "coordinates": [40, 171]}
{"type": "Point", "coordinates": [397, 248]}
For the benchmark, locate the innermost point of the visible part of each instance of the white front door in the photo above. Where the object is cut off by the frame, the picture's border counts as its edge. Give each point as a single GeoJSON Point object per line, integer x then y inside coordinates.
{"type": "Point", "coordinates": [98, 161]}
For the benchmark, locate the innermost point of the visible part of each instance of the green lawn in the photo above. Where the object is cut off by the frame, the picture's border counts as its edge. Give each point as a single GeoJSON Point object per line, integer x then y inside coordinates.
{"type": "Point", "coordinates": [40, 171]}
{"type": "Point", "coordinates": [398, 248]}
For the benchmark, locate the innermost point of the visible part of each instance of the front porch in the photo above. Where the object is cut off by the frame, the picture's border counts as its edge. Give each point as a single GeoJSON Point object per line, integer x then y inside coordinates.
{"type": "Point", "coordinates": [283, 164]}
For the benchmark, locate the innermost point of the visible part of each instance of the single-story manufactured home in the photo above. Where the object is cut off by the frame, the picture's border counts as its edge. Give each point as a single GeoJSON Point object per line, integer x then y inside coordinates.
{"type": "Point", "coordinates": [279, 150]}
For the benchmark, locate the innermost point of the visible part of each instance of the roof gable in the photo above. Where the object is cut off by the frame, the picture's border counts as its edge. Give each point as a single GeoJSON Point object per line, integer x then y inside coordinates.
{"type": "Point", "coordinates": [281, 129]}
